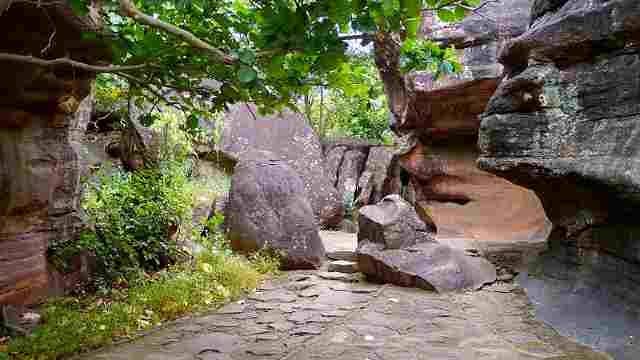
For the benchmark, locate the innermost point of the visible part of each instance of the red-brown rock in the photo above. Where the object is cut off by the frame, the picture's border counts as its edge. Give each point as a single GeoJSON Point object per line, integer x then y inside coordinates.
{"type": "Point", "coordinates": [43, 114]}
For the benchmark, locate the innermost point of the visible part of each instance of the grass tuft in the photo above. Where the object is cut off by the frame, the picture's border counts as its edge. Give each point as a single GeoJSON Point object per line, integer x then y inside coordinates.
{"type": "Point", "coordinates": [74, 325]}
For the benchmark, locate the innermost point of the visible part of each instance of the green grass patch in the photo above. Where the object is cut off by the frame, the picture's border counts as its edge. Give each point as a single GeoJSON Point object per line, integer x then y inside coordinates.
{"type": "Point", "coordinates": [74, 325]}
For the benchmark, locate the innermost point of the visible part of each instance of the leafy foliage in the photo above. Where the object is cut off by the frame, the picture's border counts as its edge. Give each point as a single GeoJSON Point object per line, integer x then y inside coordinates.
{"type": "Point", "coordinates": [281, 48]}
{"type": "Point", "coordinates": [134, 216]}
{"type": "Point", "coordinates": [428, 56]}
{"type": "Point", "coordinates": [357, 109]}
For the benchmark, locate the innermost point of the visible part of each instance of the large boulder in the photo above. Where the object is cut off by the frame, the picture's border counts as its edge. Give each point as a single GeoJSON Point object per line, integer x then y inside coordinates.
{"type": "Point", "coordinates": [397, 246]}
{"type": "Point", "coordinates": [291, 139]}
{"type": "Point", "coordinates": [429, 266]}
{"type": "Point", "coordinates": [380, 177]}
{"type": "Point", "coordinates": [268, 208]}
{"type": "Point", "coordinates": [565, 123]}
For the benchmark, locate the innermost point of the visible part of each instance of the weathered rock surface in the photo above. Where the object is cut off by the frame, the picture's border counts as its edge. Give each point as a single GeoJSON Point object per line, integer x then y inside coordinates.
{"type": "Point", "coordinates": [355, 322]}
{"type": "Point", "coordinates": [268, 207]}
{"type": "Point", "coordinates": [291, 139]}
{"type": "Point", "coordinates": [43, 114]}
{"type": "Point", "coordinates": [473, 209]}
{"type": "Point", "coordinates": [427, 265]}
{"type": "Point", "coordinates": [351, 168]}
{"type": "Point", "coordinates": [565, 121]}
{"type": "Point", "coordinates": [339, 245]}
{"type": "Point", "coordinates": [381, 176]}
{"type": "Point", "coordinates": [394, 223]}
{"type": "Point", "coordinates": [453, 103]}
{"type": "Point", "coordinates": [395, 245]}
{"type": "Point", "coordinates": [139, 147]}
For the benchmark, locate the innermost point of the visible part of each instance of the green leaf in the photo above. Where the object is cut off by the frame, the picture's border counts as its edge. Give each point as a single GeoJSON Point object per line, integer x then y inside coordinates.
{"type": "Point", "coordinates": [413, 8]}
{"type": "Point", "coordinates": [412, 27]}
{"type": "Point", "coordinates": [192, 122]}
{"type": "Point", "coordinates": [247, 56]}
{"type": "Point", "coordinates": [148, 119]}
{"type": "Point", "coordinates": [80, 7]}
{"type": "Point", "coordinates": [246, 74]}
{"type": "Point", "coordinates": [460, 13]}
{"type": "Point", "coordinates": [447, 15]}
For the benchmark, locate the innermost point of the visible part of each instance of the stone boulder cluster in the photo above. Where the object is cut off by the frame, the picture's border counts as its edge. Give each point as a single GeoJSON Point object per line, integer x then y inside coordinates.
{"type": "Point", "coordinates": [536, 141]}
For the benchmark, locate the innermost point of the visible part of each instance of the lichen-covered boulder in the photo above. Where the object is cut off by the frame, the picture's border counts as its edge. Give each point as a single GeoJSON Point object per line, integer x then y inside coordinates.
{"type": "Point", "coordinates": [268, 208]}
{"type": "Point", "coordinates": [292, 140]}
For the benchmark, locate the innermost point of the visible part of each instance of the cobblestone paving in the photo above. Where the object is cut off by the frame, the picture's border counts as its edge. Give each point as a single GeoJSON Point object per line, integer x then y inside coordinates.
{"type": "Point", "coordinates": [305, 316]}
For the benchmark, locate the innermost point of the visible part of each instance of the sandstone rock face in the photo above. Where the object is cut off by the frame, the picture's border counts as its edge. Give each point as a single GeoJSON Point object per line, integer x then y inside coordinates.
{"type": "Point", "coordinates": [473, 209]}
{"type": "Point", "coordinates": [565, 121]}
{"type": "Point", "coordinates": [268, 207]}
{"type": "Point", "coordinates": [288, 136]}
{"type": "Point", "coordinates": [395, 245]}
{"type": "Point", "coordinates": [452, 103]}
{"type": "Point", "coordinates": [43, 115]}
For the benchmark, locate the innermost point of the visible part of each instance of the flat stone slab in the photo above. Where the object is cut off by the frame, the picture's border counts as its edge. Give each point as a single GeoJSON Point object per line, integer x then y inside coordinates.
{"type": "Point", "coordinates": [339, 245]}
{"type": "Point", "coordinates": [343, 266]}
{"type": "Point", "coordinates": [358, 321]}
{"type": "Point", "coordinates": [511, 254]}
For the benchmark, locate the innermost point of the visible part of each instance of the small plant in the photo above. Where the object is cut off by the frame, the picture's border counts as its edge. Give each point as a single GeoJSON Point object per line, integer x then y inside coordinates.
{"type": "Point", "coordinates": [73, 325]}
{"type": "Point", "coordinates": [266, 261]}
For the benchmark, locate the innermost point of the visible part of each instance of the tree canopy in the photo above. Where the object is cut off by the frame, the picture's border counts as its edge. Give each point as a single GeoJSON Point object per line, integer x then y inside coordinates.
{"type": "Point", "coordinates": [270, 52]}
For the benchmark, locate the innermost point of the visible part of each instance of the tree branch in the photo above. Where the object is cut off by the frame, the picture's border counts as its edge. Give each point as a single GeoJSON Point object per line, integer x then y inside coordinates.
{"type": "Point", "coordinates": [363, 36]}
{"type": "Point", "coordinates": [69, 62]}
{"type": "Point", "coordinates": [130, 10]}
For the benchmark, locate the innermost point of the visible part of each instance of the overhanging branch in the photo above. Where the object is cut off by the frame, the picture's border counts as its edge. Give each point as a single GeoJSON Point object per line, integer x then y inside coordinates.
{"type": "Point", "coordinates": [70, 62]}
{"type": "Point", "coordinates": [130, 10]}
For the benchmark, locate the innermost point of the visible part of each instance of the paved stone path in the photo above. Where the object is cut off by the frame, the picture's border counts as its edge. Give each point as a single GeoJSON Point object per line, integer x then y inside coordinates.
{"type": "Point", "coordinates": [304, 316]}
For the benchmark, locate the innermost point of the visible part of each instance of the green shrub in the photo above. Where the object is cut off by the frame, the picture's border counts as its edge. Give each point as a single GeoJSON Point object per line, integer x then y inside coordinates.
{"type": "Point", "coordinates": [134, 217]}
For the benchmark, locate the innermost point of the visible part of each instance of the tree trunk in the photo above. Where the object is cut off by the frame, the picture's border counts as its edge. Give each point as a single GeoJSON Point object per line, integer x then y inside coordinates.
{"type": "Point", "coordinates": [387, 58]}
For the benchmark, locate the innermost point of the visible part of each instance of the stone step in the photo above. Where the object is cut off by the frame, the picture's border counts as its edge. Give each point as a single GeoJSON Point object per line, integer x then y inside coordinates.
{"type": "Point", "coordinates": [342, 256]}
{"type": "Point", "coordinates": [343, 266]}
{"type": "Point", "coordinates": [339, 245]}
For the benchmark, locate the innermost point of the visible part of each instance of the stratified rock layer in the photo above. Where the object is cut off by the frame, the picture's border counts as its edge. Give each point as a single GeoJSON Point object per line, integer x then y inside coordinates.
{"type": "Point", "coordinates": [268, 208]}
{"type": "Point", "coordinates": [565, 122]}
{"type": "Point", "coordinates": [288, 136]}
{"type": "Point", "coordinates": [471, 208]}
{"type": "Point", "coordinates": [453, 102]}
{"type": "Point", "coordinates": [43, 114]}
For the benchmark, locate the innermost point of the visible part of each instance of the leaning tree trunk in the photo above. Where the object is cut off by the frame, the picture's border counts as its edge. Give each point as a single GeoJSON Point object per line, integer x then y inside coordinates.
{"type": "Point", "coordinates": [387, 58]}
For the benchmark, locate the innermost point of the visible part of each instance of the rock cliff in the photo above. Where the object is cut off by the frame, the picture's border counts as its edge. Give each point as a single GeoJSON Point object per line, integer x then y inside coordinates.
{"type": "Point", "coordinates": [43, 113]}
{"type": "Point", "coordinates": [565, 122]}
{"type": "Point", "coordinates": [471, 208]}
